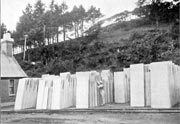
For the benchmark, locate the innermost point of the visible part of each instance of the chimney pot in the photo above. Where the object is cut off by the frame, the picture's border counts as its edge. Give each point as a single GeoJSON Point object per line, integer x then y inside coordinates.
{"type": "Point", "coordinates": [7, 44]}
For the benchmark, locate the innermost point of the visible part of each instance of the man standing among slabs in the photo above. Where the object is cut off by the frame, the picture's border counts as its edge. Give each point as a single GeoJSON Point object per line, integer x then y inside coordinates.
{"type": "Point", "coordinates": [101, 89]}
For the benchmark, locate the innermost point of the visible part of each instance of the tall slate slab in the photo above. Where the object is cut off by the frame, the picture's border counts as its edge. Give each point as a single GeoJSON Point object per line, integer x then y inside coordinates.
{"type": "Point", "coordinates": [160, 92]}
{"type": "Point", "coordinates": [82, 93]}
{"type": "Point", "coordinates": [40, 95]}
{"type": "Point", "coordinates": [20, 94]}
{"type": "Point", "coordinates": [137, 85]}
{"type": "Point", "coordinates": [119, 87]}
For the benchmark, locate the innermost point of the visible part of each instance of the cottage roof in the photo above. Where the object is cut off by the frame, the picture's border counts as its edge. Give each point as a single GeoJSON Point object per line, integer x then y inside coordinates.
{"type": "Point", "coordinates": [10, 68]}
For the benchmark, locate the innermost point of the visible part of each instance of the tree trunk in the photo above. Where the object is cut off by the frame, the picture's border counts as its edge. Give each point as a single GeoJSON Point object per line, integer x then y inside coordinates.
{"type": "Point", "coordinates": [75, 30]}
{"type": "Point", "coordinates": [57, 36]}
{"type": "Point", "coordinates": [157, 23]}
{"type": "Point", "coordinates": [48, 40]}
{"type": "Point", "coordinates": [82, 31]}
{"type": "Point", "coordinates": [157, 20]}
{"type": "Point", "coordinates": [64, 33]}
{"type": "Point", "coordinates": [44, 35]}
{"type": "Point", "coordinates": [52, 39]}
{"type": "Point", "coordinates": [34, 43]}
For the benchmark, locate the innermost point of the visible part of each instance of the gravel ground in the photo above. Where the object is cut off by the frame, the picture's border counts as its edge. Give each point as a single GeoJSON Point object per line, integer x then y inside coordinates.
{"type": "Point", "coordinates": [91, 118]}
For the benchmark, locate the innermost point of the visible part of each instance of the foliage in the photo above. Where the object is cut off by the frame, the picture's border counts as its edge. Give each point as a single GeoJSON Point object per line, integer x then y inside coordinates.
{"type": "Point", "coordinates": [128, 25]}
{"type": "Point", "coordinates": [157, 11]}
{"type": "Point", "coordinates": [2, 30]}
{"type": "Point", "coordinates": [88, 53]}
{"type": "Point", "coordinates": [43, 25]}
{"type": "Point", "coordinates": [123, 16]}
{"type": "Point", "coordinates": [93, 13]}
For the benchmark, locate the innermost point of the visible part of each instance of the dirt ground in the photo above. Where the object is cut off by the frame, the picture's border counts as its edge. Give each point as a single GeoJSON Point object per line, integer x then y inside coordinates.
{"type": "Point", "coordinates": [91, 118]}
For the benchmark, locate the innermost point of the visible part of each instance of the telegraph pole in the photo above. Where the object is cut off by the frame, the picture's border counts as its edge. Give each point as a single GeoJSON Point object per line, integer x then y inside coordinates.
{"type": "Point", "coordinates": [25, 40]}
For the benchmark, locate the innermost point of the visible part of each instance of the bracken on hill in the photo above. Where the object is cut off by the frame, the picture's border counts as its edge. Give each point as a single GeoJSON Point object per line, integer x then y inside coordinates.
{"type": "Point", "coordinates": [112, 47]}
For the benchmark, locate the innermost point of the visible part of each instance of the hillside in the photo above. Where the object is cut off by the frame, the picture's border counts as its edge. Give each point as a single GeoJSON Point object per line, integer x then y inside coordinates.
{"type": "Point", "coordinates": [114, 46]}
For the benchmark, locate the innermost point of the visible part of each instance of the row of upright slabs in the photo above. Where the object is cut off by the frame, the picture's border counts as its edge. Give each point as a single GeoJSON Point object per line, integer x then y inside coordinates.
{"type": "Point", "coordinates": [155, 85]}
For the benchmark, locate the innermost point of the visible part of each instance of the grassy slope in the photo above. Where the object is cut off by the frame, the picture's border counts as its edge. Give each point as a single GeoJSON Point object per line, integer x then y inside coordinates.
{"type": "Point", "coordinates": [116, 46]}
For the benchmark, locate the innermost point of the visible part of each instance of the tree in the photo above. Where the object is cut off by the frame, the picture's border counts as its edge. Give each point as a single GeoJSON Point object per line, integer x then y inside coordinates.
{"type": "Point", "coordinates": [26, 21]}
{"type": "Point", "coordinates": [149, 9]}
{"type": "Point", "coordinates": [56, 17]}
{"type": "Point", "coordinates": [3, 29]}
{"type": "Point", "coordinates": [66, 23]}
{"type": "Point", "coordinates": [157, 10]}
{"type": "Point", "coordinates": [39, 23]}
{"type": "Point", "coordinates": [51, 21]}
{"type": "Point", "coordinates": [31, 23]}
{"type": "Point", "coordinates": [43, 25]}
{"type": "Point", "coordinates": [142, 11]}
{"type": "Point", "coordinates": [76, 20]}
{"type": "Point", "coordinates": [93, 14]}
{"type": "Point", "coordinates": [123, 16]}
{"type": "Point", "coordinates": [24, 26]}
{"type": "Point", "coordinates": [48, 25]}
{"type": "Point", "coordinates": [64, 19]}
{"type": "Point", "coordinates": [82, 17]}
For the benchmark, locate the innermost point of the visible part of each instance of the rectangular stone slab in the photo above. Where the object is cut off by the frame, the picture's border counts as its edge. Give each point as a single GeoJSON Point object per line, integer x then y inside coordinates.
{"type": "Point", "coordinates": [160, 94]}
{"type": "Point", "coordinates": [31, 96]}
{"type": "Point", "coordinates": [147, 84]}
{"type": "Point", "coordinates": [61, 93]}
{"type": "Point", "coordinates": [178, 82]}
{"type": "Point", "coordinates": [49, 101]}
{"type": "Point", "coordinates": [173, 84]}
{"type": "Point", "coordinates": [34, 92]}
{"type": "Point", "coordinates": [108, 80]}
{"type": "Point", "coordinates": [45, 98]}
{"type": "Point", "coordinates": [40, 95]}
{"type": "Point", "coordinates": [105, 79]}
{"type": "Point", "coordinates": [137, 85]}
{"type": "Point", "coordinates": [65, 83]}
{"type": "Point", "coordinates": [47, 86]}
{"type": "Point", "coordinates": [27, 97]}
{"type": "Point", "coordinates": [119, 87]}
{"type": "Point", "coordinates": [56, 94]}
{"type": "Point", "coordinates": [82, 92]}
{"type": "Point", "coordinates": [126, 72]}
{"type": "Point", "coordinates": [74, 88]}
{"type": "Point", "coordinates": [20, 94]}
{"type": "Point", "coordinates": [93, 89]}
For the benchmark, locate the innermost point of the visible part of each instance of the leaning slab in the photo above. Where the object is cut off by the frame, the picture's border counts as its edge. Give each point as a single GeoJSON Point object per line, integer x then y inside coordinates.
{"type": "Point", "coordinates": [20, 94]}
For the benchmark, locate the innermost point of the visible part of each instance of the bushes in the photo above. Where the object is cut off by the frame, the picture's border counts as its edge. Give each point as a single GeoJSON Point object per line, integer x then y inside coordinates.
{"type": "Point", "coordinates": [90, 54]}
{"type": "Point", "coordinates": [128, 25]}
{"type": "Point", "coordinates": [140, 22]}
{"type": "Point", "coordinates": [175, 30]}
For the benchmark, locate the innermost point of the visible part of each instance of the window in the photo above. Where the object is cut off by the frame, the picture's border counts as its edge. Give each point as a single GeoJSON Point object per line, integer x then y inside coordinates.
{"type": "Point", "coordinates": [11, 88]}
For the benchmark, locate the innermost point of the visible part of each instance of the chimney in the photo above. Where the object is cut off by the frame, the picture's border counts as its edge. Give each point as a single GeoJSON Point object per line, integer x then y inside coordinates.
{"type": "Point", "coordinates": [7, 44]}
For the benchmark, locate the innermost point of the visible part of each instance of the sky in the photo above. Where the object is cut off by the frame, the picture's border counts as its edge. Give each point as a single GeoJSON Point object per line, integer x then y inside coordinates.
{"type": "Point", "coordinates": [11, 10]}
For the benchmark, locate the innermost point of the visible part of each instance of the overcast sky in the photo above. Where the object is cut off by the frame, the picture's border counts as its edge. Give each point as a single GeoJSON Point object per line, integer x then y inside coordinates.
{"type": "Point", "coordinates": [11, 10]}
